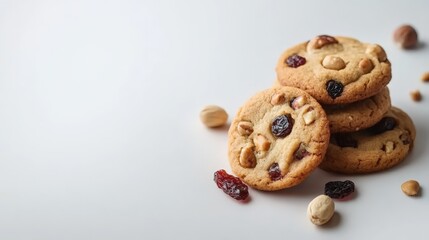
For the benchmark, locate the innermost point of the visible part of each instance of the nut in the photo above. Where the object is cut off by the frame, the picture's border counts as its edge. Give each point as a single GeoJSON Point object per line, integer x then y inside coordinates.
{"type": "Point", "coordinates": [333, 63]}
{"type": "Point", "coordinates": [405, 138]}
{"type": "Point", "coordinates": [366, 66]}
{"type": "Point", "coordinates": [416, 95]}
{"type": "Point", "coordinates": [261, 143]}
{"type": "Point", "coordinates": [321, 209]}
{"type": "Point", "coordinates": [245, 128]}
{"type": "Point", "coordinates": [405, 36]}
{"type": "Point", "coordinates": [247, 157]}
{"type": "Point", "coordinates": [389, 146]}
{"type": "Point", "coordinates": [378, 51]}
{"type": "Point", "coordinates": [309, 117]}
{"type": "Point", "coordinates": [278, 98]}
{"type": "Point", "coordinates": [297, 102]}
{"type": "Point", "coordinates": [213, 116]}
{"type": "Point", "coordinates": [410, 187]}
{"type": "Point", "coordinates": [320, 41]}
{"type": "Point", "coordinates": [425, 77]}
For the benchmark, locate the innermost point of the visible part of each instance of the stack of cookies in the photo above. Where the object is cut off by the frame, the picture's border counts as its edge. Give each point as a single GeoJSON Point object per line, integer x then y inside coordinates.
{"type": "Point", "coordinates": [329, 107]}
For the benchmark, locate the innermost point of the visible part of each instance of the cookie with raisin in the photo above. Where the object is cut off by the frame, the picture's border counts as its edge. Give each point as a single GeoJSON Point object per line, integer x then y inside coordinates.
{"type": "Point", "coordinates": [374, 149]}
{"type": "Point", "coordinates": [335, 70]}
{"type": "Point", "coordinates": [358, 115]}
{"type": "Point", "coordinates": [277, 138]}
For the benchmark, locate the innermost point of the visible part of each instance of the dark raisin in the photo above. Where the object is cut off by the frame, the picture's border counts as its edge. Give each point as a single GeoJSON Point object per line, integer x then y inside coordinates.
{"type": "Point", "coordinates": [282, 126]}
{"type": "Point", "coordinates": [231, 185]}
{"type": "Point", "coordinates": [295, 61]}
{"type": "Point", "coordinates": [301, 152]}
{"type": "Point", "coordinates": [385, 124]}
{"type": "Point", "coordinates": [345, 140]}
{"type": "Point", "coordinates": [339, 189]}
{"type": "Point", "coordinates": [275, 172]}
{"type": "Point", "coordinates": [334, 88]}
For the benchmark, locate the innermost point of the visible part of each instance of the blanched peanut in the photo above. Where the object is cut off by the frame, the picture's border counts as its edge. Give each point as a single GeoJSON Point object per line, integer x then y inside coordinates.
{"type": "Point", "coordinates": [321, 209]}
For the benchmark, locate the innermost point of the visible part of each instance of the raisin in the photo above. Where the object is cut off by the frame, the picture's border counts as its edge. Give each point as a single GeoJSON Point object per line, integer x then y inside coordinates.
{"type": "Point", "coordinates": [345, 140]}
{"type": "Point", "coordinates": [385, 124]}
{"type": "Point", "coordinates": [334, 88]}
{"type": "Point", "coordinates": [274, 172]}
{"type": "Point", "coordinates": [282, 126]}
{"type": "Point", "coordinates": [295, 61]}
{"type": "Point", "coordinates": [301, 152]}
{"type": "Point", "coordinates": [231, 185]}
{"type": "Point", "coordinates": [339, 189]}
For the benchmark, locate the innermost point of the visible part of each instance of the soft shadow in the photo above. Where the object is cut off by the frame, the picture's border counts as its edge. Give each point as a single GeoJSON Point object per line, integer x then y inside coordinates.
{"type": "Point", "coordinates": [223, 128]}
{"type": "Point", "coordinates": [333, 223]}
{"type": "Point", "coordinates": [420, 45]}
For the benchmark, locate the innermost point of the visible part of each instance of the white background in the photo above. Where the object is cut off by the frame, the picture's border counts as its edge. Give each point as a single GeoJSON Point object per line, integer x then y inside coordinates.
{"type": "Point", "coordinates": [100, 135]}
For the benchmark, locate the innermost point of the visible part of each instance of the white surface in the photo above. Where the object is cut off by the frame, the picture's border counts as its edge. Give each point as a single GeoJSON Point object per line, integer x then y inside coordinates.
{"type": "Point", "coordinates": [99, 130]}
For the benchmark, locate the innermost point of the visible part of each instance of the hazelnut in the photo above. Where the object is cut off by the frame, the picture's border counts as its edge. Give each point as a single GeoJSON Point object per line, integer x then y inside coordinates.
{"type": "Point", "coordinates": [406, 37]}
{"type": "Point", "coordinates": [213, 116]}
{"type": "Point", "coordinates": [425, 77]}
{"type": "Point", "coordinates": [416, 95]}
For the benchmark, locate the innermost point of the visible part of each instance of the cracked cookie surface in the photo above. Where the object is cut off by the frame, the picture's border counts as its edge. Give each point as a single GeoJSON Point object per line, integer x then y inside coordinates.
{"type": "Point", "coordinates": [335, 70]}
{"type": "Point", "coordinates": [380, 147]}
{"type": "Point", "coordinates": [277, 138]}
{"type": "Point", "coordinates": [359, 115]}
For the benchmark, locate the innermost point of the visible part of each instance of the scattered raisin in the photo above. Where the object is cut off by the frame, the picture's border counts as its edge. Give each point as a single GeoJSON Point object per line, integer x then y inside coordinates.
{"type": "Point", "coordinates": [282, 126]}
{"type": "Point", "coordinates": [231, 185]}
{"type": "Point", "coordinates": [334, 88]}
{"type": "Point", "coordinates": [275, 172]}
{"type": "Point", "coordinates": [339, 189]}
{"type": "Point", "coordinates": [345, 140]}
{"type": "Point", "coordinates": [295, 61]}
{"type": "Point", "coordinates": [385, 124]}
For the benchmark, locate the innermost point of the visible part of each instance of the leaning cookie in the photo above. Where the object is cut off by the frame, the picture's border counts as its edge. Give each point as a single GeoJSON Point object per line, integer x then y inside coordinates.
{"type": "Point", "coordinates": [374, 149]}
{"type": "Point", "coordinates": [362, 114]}
{"type": "Point", "coordinates": [278, 137]}
{"type": "Point", "coordinates": [335, 70]}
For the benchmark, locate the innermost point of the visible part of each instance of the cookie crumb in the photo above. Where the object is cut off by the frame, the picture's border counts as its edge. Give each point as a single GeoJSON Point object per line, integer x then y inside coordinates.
{"type": "Point", "coordinates": [425, 77]}
{"type": "Point", "coordinates": [416, 95]}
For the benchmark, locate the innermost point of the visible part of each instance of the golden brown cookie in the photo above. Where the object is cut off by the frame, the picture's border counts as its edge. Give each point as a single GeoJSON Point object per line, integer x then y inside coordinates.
{"type": "Point", "coordinates": [277, 138]}
{"type": "Point", "coordinates": [335, 70]}
{"type": "Point", "coordinates": [380, 147]}
{"type": "Point", "coordinates": [362, 114]}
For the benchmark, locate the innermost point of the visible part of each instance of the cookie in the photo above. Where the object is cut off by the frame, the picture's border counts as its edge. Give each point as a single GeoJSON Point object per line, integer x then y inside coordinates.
{"type": "Point", "coordinates": [335, 70]}
{"type": "Point", "coordinates": [277, 138]}
{"type": "Point", "coordinates": [362, 114]}
{"type": "Point", "coordinates": [380, 147]}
